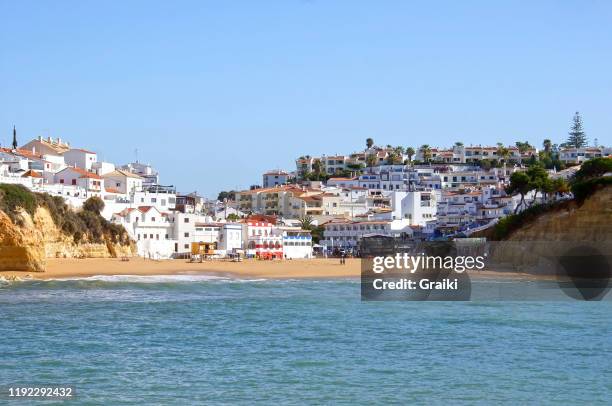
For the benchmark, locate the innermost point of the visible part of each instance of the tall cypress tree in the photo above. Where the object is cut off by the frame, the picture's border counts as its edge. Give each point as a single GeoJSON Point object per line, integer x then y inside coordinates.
{"type": "Point", "coordinates": [577, 137]}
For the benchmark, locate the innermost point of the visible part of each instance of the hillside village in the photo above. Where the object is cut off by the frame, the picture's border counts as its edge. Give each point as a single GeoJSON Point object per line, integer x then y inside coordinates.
{"type": "Point", "coordinates": [323, 206]}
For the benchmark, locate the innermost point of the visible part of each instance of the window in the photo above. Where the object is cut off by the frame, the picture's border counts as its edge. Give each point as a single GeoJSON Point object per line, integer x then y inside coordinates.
{"type": "Point", "coordinates": [151, 235]}
{"type": "Point", "coordinates": [74, 181]}
{"type": "Point", "coordinates": [62, 181]}
{"type": "Point", "coordinates": [153, 200]}
{"type": "Point", "coordinates": [186, 246]}
{"type": "Point", "coordinates": [152, 218]}
{"type": "Point", "coordinates": [145, 236]}
{"type": "Point", "coordinates": [186, 220]}
{"type": "Point", "coordinates": [186, 234]}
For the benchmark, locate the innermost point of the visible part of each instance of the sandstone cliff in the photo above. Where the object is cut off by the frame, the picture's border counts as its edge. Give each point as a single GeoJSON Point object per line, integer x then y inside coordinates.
{"type": "Point", "coordinates": [536, 245]}
{"type": "Point", "coordinates": [27, 246]}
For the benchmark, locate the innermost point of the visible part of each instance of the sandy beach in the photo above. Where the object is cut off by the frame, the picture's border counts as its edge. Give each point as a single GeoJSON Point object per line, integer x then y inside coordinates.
{"type": "Point", "coordinates": [288, 269]}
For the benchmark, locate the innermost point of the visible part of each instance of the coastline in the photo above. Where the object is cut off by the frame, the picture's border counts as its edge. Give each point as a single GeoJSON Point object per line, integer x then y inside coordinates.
{"type": "Point", "coordinates": [289, 269]}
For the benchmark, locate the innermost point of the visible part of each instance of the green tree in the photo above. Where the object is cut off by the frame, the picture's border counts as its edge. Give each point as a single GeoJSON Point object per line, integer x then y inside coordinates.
{"type": "Point", "coordinates": [523, 146]}
{"type": "Point", "coordinates": [547, 146]}
{"type": "Point", "coordinates": [230, 195]}
{"type": "Point", "coordinates": [538, 178]}
{"type": "Point", "coordinates": [306, 222]}
{"type": "Point", "coordinates": [410, 152]}
{"type": "Point", "coordinates": [458, 144]}
{"type": "Point", "coordinates": [369, 143]}
{"type": "Point", "coordinates": [519, 183]}
{"type": "Point", "coordinates": [233, 217]}
{"type": "Point", "coordinates": [94, 204]}
{"type": "Point", "coordinates": [594, 168]}
{"type": "Point", "coordinates": [485, 164]}
{"type": "Point", "coordinates": [577, 137]}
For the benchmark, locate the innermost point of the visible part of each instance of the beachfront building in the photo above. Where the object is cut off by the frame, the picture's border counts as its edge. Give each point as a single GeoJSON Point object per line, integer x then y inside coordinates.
{"type": "Point", "coordinates": [346, 234]}
{"type": "Point", "coordinates": [297, 243]}
{"type": "Point", "coordinates": [150, 228]}
{"type": "Point", "coordinates": [262, 238]}
{"type": "Point", "coordinates": [207, 232]}
{"type": "Point", "coordinates": [231, 238]}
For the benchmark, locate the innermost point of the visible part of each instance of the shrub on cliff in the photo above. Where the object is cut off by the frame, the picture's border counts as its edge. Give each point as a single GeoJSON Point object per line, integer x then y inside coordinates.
{"type": "Point", "coordinates": [584, 189]}
{"type": "Point", "coordinates": [594, 168]}
{"type": "Point", "coordinates": [13, 197]}
{"type": "Point", "coordinates": [94, 204]}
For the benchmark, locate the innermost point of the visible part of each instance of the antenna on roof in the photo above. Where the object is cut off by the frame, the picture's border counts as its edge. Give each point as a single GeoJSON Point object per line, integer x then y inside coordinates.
{"type": "Point", "coordinates": [136, 154]}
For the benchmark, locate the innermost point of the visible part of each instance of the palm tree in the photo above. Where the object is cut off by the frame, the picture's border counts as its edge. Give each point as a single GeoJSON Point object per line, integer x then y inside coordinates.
{"type": "Point", "coordinates": [371, 160]}
{"type": "Point", "coordinates": [410, 152]}
{"type": "Point", "coordinates": [369, 143]}
{"type": "Point", "coordinates": [317, 168]}
{"type": "Point", "coordinates": [426, 151]}
{"type": "Point", "coordinates": [502, 152]}
{"type": "Point", "coordinates": [458, 144]}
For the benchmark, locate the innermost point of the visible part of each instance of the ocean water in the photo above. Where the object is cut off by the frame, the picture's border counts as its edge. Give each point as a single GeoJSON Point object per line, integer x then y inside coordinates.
{"type": "Point", "coordinates": [199, 340]}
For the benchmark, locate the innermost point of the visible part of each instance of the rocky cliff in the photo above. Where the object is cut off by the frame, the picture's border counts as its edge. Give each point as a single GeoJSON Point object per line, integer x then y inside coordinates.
{"type": "Point", "coordinates": [26, 247]}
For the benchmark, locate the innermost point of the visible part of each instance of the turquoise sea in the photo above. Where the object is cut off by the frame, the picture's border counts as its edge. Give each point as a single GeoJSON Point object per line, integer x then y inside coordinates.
{"type": "Point", "coordinates": [186, 340]}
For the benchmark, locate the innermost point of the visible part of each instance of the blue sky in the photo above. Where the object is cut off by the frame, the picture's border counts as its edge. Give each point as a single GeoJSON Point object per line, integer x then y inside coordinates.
{"type": "Point", "coordinates": [213, 93]}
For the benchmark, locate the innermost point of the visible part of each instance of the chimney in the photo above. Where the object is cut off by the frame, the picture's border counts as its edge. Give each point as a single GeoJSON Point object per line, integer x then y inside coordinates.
{"type": "Point", "coordinates": [40, 138]}
{"type": "Point", "coordinates": [59, 141]}
{"type": "Point", "coordinates": [49, 139]}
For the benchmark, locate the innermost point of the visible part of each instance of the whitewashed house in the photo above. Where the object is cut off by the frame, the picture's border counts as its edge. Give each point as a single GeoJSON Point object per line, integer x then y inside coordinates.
{"type": "Point", "coordinates": [125, 182]}
{"type": "Point", "coordinates": [92, 184]}
{"type": "Point", "coordinates": [81, 158]}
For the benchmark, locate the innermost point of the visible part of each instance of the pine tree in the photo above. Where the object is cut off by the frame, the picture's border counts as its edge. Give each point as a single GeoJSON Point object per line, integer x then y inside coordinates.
{"type": "Point", "coordinates": [577, 137]}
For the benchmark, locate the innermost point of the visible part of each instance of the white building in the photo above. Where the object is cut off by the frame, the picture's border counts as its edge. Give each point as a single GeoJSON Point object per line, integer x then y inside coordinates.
{"type": "Point", "coordinates": [81, 158]}
{"type": "Point", "coordinates": [297, 243]}
{"type": "Point", "coordinates": [150, 228]}
{"type": "Point", "coordinates": [230, 238]}
{"type": "Point", "coordinates": [346, 234]}
{"type": "Point", "coordinates": [90, 182]}
{"type": "Point", "coordinates": [418, 208]}
{"type": "Point", "coordinates": [125, 182]}
{"type": "Point", "coordinates": [275, 178]}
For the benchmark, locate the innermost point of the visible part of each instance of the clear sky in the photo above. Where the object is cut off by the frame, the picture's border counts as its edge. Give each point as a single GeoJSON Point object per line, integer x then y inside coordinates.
{"type": "Point", "coordinates": [213, 93]}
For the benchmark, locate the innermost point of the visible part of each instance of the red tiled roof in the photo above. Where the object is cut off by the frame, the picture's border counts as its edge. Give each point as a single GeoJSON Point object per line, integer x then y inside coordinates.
{"type": "Point", "coordinates": [31, 174]}
{"type": "Point", "coordinates": [82, 172]}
